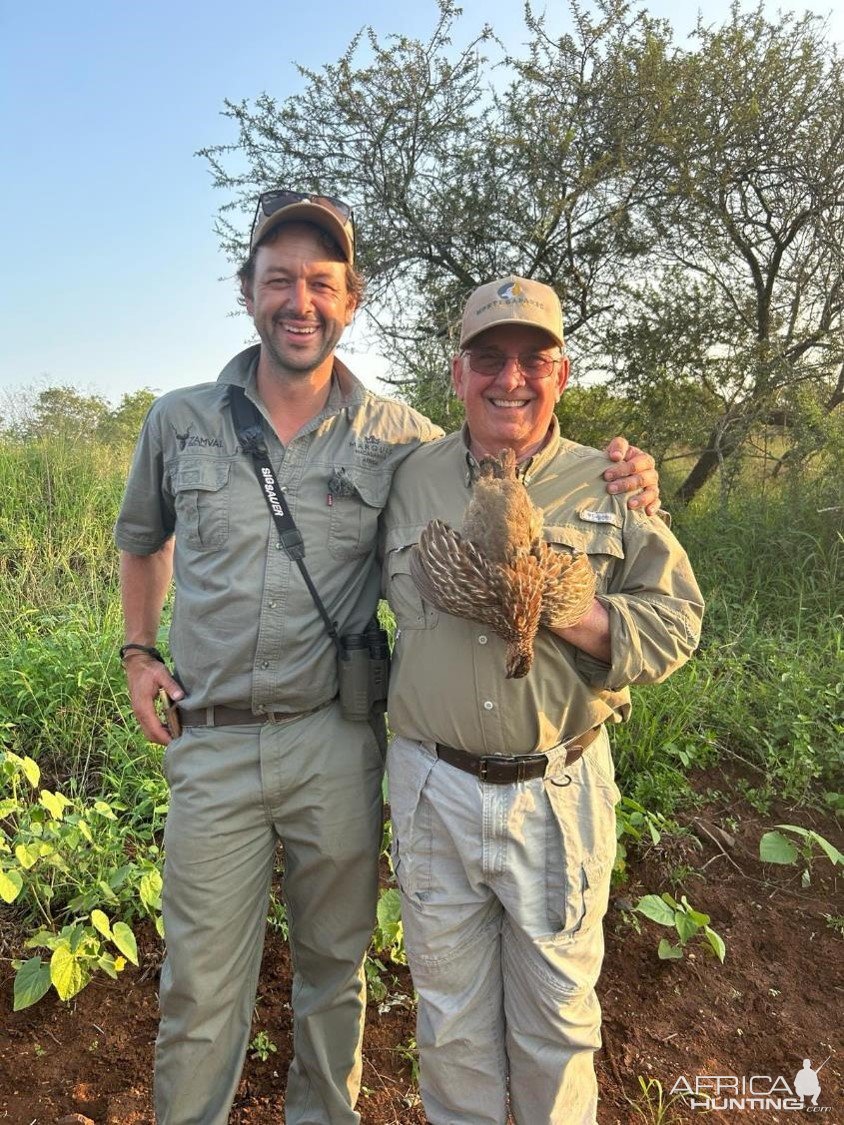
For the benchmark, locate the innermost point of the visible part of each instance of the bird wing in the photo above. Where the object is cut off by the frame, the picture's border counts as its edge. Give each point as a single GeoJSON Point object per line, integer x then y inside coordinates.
{"type": "Point", "coordinates": [569, 586]}
{"type": "Point", "coordinates": [451, 574]}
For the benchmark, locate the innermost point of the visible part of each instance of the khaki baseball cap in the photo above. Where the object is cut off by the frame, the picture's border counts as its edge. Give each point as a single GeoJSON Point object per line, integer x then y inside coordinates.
{"type": "Point", "coordinates": [324, 211]}
{"type": "Point", "coordinates": [512, 300]}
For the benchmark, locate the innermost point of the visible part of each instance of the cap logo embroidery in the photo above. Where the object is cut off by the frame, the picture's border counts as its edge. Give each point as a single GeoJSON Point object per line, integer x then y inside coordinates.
{"type": "Point", "coordinates": [510, 291]}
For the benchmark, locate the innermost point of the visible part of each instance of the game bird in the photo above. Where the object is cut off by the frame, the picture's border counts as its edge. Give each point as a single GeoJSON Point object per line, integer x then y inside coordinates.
{"type": "Point", "coordinates": [498, 570]}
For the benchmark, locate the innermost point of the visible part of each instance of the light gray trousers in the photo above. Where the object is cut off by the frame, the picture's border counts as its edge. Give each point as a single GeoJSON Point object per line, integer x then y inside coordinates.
{"type": "Point", "coordinates": [503, 891]}
{"type": "Point", "coordinates": [314, 784]}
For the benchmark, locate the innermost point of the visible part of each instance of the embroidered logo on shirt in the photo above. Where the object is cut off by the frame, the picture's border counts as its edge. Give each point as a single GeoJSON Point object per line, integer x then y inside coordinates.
{"type": "Point", "coordinates": [187, 440]}
{"type": "Point", "coordinates": [370, 451]}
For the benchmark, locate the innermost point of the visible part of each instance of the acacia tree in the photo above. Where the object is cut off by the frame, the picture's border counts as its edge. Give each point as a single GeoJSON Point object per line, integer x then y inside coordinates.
{"type": "Point", "coordinates": [464, 164]}
{"type": "Point", "coordinates": [741, 302]}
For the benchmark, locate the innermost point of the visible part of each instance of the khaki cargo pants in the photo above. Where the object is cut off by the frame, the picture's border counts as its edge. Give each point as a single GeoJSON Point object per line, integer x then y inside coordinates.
{"type": "Point", "coordinates": [504, 888]}
{"type": "Point", "coordinates": [314, 784]}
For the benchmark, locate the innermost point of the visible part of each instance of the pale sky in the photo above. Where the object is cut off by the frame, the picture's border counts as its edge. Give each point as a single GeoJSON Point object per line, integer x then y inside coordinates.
{"type": "Point", "coordinates": [113, 279]}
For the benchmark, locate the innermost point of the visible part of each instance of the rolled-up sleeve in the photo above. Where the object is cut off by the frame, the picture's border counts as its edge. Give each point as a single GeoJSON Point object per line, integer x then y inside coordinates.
{"type": "Point", "coordinates": [655, 610]}
{"type": "Point", "coordinates": [147, 517]}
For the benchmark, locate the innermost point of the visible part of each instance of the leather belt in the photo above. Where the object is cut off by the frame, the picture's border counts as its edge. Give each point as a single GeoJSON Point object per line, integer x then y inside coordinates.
{"type": "Point", "coordinates": [505, 769]}
{"type": "Point", "coordinates": [221, 716]}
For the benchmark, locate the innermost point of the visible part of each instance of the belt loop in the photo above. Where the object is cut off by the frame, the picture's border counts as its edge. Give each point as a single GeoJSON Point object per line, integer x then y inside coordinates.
{"type": "Point", "coordinates": [520, 771]}
{"type": "Point", "coordinates": [209, 715]}
{"type": "Point", "coordinates": [482, 769]}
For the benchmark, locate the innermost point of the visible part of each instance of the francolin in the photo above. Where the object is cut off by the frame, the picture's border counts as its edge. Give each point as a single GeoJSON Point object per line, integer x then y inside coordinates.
{"type": "Point", "coordinates": [500, 571]}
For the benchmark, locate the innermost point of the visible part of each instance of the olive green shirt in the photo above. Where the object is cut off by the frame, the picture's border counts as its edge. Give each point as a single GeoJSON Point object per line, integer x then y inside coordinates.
{"type": "Point", "coordinates": [245, 631]}
{"type": "Point", "coordinates": [448, 684]}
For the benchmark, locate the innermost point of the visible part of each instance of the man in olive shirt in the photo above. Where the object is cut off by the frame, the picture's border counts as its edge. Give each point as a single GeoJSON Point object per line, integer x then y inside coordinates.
{"type": "Point", "coordinates": [501, 791]}
{"type": "Point", "coordinates": [265, 754]}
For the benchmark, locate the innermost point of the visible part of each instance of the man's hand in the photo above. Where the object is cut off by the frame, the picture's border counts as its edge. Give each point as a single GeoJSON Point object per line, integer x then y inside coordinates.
{"type": "Point", "coordinates": [146, 676]}
{"type": "Point", "coordinates": [635, 471]}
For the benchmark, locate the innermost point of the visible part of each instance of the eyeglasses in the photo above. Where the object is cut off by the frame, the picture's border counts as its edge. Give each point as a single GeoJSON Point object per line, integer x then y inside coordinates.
{"type": "Point", "coordinates": [271, 201]}
{"type": "Point", "coordinates": [533, 365]}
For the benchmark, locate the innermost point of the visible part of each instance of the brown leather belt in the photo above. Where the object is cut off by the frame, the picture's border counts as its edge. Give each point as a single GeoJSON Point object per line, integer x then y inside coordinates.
{"type": "Point", "coordinates": [505, 769]}
{"type": "Point", "coordinates": [222, 716]}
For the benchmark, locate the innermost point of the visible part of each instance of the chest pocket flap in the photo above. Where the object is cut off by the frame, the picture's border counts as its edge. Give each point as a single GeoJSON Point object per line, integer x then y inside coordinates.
{"type": "Point", "coordinates": [600, 541]}
{"type": "Point", "coordinates": [202, 500]}
{"type": "Point", "coordinates": [357, 498]}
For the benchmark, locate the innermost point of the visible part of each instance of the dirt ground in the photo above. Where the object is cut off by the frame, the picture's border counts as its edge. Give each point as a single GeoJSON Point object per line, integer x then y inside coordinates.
{"type": "Point", "coordinates": [776, 1000]}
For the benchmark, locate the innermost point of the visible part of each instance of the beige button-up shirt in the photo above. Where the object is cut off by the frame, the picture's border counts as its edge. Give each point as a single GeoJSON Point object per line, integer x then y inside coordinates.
{"type": "Point", "coordinates": [448, 684]}
{"type": "Point", "coordinates": [245, 630]}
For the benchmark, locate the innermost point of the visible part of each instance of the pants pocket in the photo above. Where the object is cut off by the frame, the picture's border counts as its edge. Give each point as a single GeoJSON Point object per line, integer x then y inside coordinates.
{"type": "Point", "coordinates": [408, 769]}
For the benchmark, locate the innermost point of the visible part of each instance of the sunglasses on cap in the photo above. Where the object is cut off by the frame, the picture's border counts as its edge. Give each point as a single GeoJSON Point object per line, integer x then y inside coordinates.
{"type": "Point", "coordinates": [269, 202]}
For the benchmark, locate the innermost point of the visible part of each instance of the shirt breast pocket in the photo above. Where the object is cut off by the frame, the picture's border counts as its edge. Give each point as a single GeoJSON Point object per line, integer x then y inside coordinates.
{"type": "Point", "coordinates": [410, 611]}
{"type": "Point", "coordinates": [357, 499]}
{"type": "Point", "coordinates": [602, 543]}
{"type": "Point", "coordinates": [202, 499]}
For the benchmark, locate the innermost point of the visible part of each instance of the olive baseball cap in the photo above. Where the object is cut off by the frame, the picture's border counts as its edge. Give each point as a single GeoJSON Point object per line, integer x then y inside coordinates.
{"type": "Point", "coordinates": [324, 211]}
{"type": "Point", "coordinates": [512, 300]}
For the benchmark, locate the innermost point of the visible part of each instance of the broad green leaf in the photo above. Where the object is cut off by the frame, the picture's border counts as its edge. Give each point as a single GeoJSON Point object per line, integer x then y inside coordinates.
{"type": "Point", "coordinates": [124, 939]}
{"type": "Point", "coordinates": [832, 853]}
{"type": "Point", "coordinates": [66, 973]}
{"type": "Point", "coordinates": [668, 952]}
{"type": "Point", "coordinates": [28, 855]}
{"type": "Point", "coordinates": [43, 937]}
{"type": "Point", "coordinates": [653, 907]}
{"type": "Point", "coordinates": [11, 885]}
{"type": "Point", "coordinates": [686, 926]}
{"type": "Point", "coordinates": [85, 831]}
{"type": "Point", "coordinates": [150, 890]}
{"type": "Point", "coordinates": [101, 923]}
{"type": "Point", "coordinates": [672, 902]}
{"type": "Point", "coordinates": [32, 980]}
{"type": "Point", "coordinates": [806, 833]}
{"type": "Point", "coordinates": [159, 925]}
{"type": "Point", "coordinates": [104, 809]}
{"type": "Point", "coordinates": [7, 807]}
{"type": "Point", "coordinates": [717, 943]}
{"type": "Point", "coordinates": [54, 803]}
{"type": "Point", "coordinates": [698, 917]}
{"type": "Point", "coordinates": [389, 909]}
{"type": "Point", "coordinates": [108, 965]}
{"type": "Point", "coordinates": [776, 848]}
{"type": "Point", "coordinates": [31, 771]}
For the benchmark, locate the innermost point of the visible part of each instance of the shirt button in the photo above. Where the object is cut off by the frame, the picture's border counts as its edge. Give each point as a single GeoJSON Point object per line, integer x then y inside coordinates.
{"type": "Point", "coordinates": [265, 663]}
{"type": "Point", "coordinates": [272, 605]}
{"type": "Point", "coordinates": [488, 705]}
{"type": "Point", "coordinates": [482, 639]}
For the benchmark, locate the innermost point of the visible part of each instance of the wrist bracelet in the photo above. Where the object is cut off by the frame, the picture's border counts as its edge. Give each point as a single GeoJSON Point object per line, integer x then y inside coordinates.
{"type": "Point", "coordinates": [149, 650]}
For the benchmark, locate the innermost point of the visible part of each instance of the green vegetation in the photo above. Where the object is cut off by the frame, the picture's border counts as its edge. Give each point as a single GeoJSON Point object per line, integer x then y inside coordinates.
{"type": "Point", "coordinates": [83, 800]}
{"type": "Point", "coordinates": [687, 922]}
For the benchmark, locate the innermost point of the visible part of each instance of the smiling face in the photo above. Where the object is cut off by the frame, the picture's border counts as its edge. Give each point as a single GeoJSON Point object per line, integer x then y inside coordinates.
{"type": "Point", "coordinates": [508, 410]}
{"type": "Point", "coordinates": [299, 301]}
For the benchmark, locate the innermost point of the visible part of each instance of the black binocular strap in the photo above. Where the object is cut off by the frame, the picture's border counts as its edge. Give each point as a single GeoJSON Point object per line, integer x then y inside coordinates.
{"type": "Point", "coordinates": [250, 434]}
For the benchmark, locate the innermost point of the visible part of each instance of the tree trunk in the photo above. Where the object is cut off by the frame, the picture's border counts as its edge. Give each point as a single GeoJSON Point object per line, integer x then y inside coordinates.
{"type": "Point", "coordinates": [719, 447]}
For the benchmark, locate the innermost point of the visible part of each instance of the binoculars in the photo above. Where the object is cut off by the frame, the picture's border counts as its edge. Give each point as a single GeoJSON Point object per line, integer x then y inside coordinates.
{"type": "Point", "coordinates": [363, 670]}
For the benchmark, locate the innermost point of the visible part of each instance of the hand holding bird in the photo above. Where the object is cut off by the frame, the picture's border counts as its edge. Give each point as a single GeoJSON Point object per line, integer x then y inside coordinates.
{"type": "Point", "coordinates": [500, 571]}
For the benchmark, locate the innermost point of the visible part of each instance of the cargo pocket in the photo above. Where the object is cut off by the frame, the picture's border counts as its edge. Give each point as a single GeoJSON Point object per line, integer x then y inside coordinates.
{"type": "Point", "coordinates": [357, 498]}
{"type": "Point", "coordinates": [580, 844]}
{"type": "Point", "coordinates": [408, 770]}
{"type": "Point", "coordinates": [202, 499]}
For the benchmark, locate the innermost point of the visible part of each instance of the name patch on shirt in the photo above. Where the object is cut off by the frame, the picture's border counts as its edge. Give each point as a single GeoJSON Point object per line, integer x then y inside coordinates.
{"type": "Point", "coordinates": [598, 517]}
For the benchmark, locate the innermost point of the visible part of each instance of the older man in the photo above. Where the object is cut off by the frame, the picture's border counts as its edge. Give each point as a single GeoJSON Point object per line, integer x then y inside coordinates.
{"type": "Point", "coordinates": [502, 791]}
{"type": "Point", "coordinates": [266, 754]}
